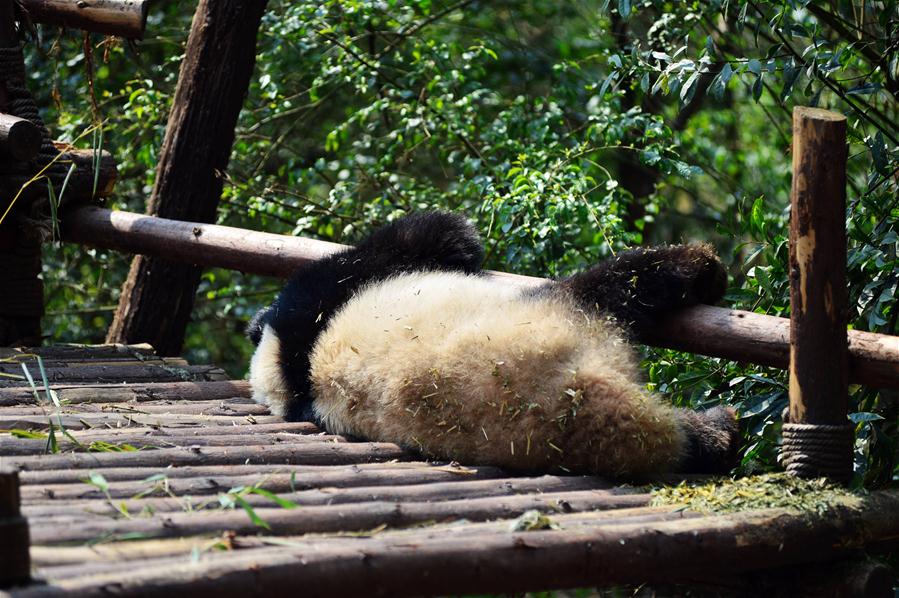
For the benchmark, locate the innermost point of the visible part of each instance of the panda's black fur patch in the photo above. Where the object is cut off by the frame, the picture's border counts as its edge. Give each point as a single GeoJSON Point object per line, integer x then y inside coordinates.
{"type": "Point", "coordinates": [636, 288]}
{"type": "Point", "coordinates": [420, 241]}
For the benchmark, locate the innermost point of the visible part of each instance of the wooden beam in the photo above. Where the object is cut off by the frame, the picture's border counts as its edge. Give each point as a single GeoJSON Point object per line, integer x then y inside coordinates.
{"type": "Point", "coordinates": [818, 437]}
{"type": "Point", "coordinates": [713, 331]}
{"type": "Point", "coordinates": [20, 139]}
{"type": "Point", "coordinates": [90, 169]}
{"type": "Point", "coordinates": [158, 296]}
{"type": "Point", "coordinates": [22, 299]}
{"type": "Point", "coordinates": [14, 538]}
{"type": "Point", "coordinates": [124, 18]}
{"type": "Point", "coordinates": [435, 562]}
{"type": "Point", "coordinates": [818, 296]}
{"type": "Point", "coordinates": [348, 517]}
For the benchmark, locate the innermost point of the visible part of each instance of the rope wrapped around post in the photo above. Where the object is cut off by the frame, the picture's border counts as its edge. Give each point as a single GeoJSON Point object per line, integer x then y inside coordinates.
{"type": "Point", "coordinates": [811, 450]}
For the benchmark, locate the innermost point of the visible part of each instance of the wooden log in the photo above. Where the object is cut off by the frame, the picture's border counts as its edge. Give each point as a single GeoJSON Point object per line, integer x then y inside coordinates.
{"type": "Point", "coordinates": [110, 374]}
{"type": "Point", "coordinates": [164, 549]}
{"type": "Point", "coordinates": [437, 563]}
{"type": "Point", "coordinates": [818, 295]}
{"type": "Point", "coordinates": [55, 561]}
{"type": "Point", "coordinates": [125, 420]}
{"type": "Point", "coordinates": [713, 331]}
{"type": "Point", "coordinates": [81, 186]}
{"type": "Point", "coordinates": [22, 299]}
{"type": "Point", "coordinates": [133, 392]}
{"type": "Point", "coordinates": [20, 139]}
{"type": "Point", "coordinates": [11, 447]}
{"type": "Point", "coordinates": [326, 453]}
{"type": "Point", "coordinates": [456, 529]}
{"type": "Point", "coordinates": [245, 430]}
{"type": "Point", "coordinates": [392, 487]}
{"type": "Point", "coordinates": [90, 169]}
{"type": "Point", "coordinates": [335, 475]}
{"type": "Point", "coordinates": [124, 18]}
{"type": "Point", "coordinates": [819, 378]}
{"type": "Point", "coordinates": [338, 518]}
{"type": "Point", "coordinates": [434, 491]}
{"type": "Point", "coordinates": [118, 474]}
{"type": "Point", "coordinates": [14, 537]}
{"type": "Point", "coordinates": [78, 351]}
{"type": "Point", "coordinates": [221, 407]}
{"type": "Point", "coordinates": [158, 295]}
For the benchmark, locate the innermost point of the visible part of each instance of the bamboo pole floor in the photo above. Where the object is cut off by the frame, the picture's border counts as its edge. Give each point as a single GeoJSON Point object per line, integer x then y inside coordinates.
{"type": "Point", "coordinates": [148, 476]}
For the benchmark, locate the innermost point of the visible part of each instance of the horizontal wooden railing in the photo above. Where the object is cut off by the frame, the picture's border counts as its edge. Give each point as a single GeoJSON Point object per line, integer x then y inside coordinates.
{"type": "Point", "coordinates": [713, 331]}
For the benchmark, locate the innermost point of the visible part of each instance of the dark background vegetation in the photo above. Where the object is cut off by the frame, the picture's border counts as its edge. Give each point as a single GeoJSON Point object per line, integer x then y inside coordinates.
{"type": "Point", "coordinates": [566, 129]}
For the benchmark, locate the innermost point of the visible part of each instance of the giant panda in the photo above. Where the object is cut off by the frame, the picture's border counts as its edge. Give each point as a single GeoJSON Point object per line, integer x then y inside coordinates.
{"type": "Point", "coordinates": [402, 339]}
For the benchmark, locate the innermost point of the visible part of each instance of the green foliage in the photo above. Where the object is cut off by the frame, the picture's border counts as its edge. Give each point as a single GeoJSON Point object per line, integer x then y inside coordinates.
{"type": "Point", "coordinates": [566, 130]}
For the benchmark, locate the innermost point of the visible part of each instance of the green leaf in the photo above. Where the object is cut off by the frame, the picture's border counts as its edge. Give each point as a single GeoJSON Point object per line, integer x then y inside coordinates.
{"type": "Point", "coordinates": [863, 416]}
{"type": "Point", "coordinates": [716, 89]}
{"type": "Point", "coordinates": [757, 89]}
{"type": "Point", "coordinates": [27, 434]}
{"type": "Point", "coordinates": [757, 218]}
{"type": "Point", "coordinates": [624, 8]}
{"type": "Point", "coordinates": [879, 154]}
{"type": "Point", "coordinates": [605, 84]}
{"type": "Point", "coordinates": [282, 502]}
{"type": "Point", "coordinates": [864, 89]}
{"type": "Point", "coordinates": [754, 66]}
{"type": "Point", "coordinates": [97, 479]}
{"type": "Point", "coordinates": [256, 519]}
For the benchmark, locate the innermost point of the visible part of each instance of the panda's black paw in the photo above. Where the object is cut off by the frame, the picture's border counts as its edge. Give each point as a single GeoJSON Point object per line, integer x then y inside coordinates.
{"type": "Point", "coordinates": [257, 323]}
{"type": "Point", "coordinates": [713, 441]}
{"type": "Point", "coordinates": [430, 240]}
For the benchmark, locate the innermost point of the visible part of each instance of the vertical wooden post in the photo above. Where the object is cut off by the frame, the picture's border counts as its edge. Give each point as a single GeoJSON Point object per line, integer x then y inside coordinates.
{"type": "Point", "coordinates": [158, 296]}
{"type": "Point", "coordinates": [15, 563]}
{"type": "Point", "coordinates": [818, 438]}
{"type": "Point", "coordinates": [22, 297]}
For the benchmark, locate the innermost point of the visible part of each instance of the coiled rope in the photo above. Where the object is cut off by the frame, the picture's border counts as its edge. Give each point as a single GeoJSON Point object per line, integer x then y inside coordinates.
{"type": "Point", "coordinates": [818, 450]}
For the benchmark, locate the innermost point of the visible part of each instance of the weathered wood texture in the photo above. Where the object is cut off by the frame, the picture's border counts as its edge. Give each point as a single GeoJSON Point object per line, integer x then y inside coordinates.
{"type": "Point", "coordinates": [20, 139]}
{"type": "Point", "coordinates": [134, 392]}
{"type": "Point", "coordinates": [433, 562]}
{"type": "Point", "coordinates": [818, 294]}
{"type": "Point", "coordinates": [732, 334]}
{"type": "Point", "coordinates": [90, 168]}
{"type": "Point", "coordinates": [158, 296]}
{"type": "Point", "coordinates": [22, 299]}
{"type": "Point", "coordinates": [124, 18]}
{"type": "Point", "coordinates": [371, 519]}
{"type": "Point", "coordinates": [818, 437]}
{"type": "Point", "coordinates": [15, 565]}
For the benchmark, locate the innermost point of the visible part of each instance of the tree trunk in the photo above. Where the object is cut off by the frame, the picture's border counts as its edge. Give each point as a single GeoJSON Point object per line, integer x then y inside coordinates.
{"type": "Point", "coordinates": [158, 295]}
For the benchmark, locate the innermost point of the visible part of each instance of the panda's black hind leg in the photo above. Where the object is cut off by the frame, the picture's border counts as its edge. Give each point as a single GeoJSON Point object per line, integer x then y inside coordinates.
{"type": "Point", "coordinates": [640, 287]}
{"type": "Point", "coordinates": [713, 440]}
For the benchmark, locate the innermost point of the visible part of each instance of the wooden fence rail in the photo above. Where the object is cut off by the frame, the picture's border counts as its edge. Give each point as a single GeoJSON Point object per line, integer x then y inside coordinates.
{"type": "Point", "coordinates": [707, 330]}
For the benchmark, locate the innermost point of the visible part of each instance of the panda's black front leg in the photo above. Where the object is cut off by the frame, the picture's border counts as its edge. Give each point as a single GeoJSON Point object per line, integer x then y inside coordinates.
{"type": "Point", "coordinates": [285, 332]}
{"type": "Point", "coordinates": [641, 286]}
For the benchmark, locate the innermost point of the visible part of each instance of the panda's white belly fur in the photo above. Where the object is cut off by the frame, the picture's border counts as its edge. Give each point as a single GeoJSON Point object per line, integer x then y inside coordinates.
{"type": "Point", "coordinates": [464, 369]}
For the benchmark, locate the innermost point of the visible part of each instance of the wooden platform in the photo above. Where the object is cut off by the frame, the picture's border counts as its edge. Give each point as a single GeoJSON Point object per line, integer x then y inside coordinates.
{"type": "Point", "coordinates": [155, 477]}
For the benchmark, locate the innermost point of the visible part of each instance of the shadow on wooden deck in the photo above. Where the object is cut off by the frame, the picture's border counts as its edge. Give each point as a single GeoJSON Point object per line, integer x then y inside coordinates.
{"type": "Point", "coordinates": [156, 477]}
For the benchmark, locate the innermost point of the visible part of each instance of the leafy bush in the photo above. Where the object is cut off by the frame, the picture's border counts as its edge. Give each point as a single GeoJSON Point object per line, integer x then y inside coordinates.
{"type": "Point", "coordinates": [566, 130]}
